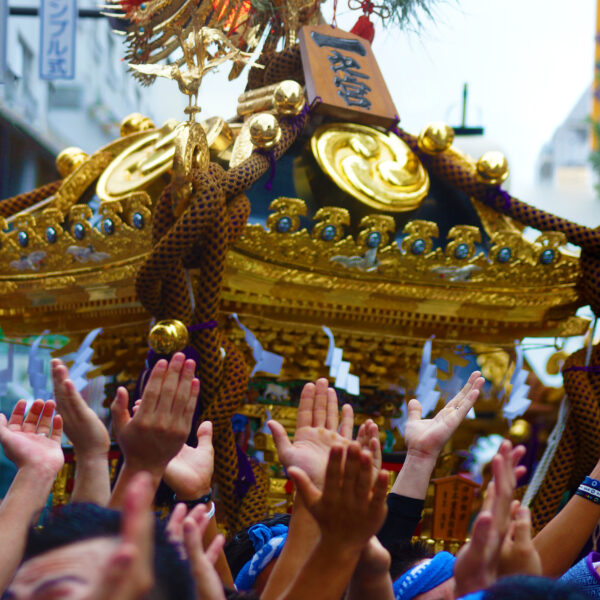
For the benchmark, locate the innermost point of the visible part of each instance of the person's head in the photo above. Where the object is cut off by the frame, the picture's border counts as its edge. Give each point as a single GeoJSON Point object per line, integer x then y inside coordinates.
{"type": "Point", "coordinates": [418, 576]}
{"type": "Point", "coordinates": [66, 558]}
{"type": "Point", "coordinates": [253, 551]}
{"type": "Point", "coordinates": [528, 587]}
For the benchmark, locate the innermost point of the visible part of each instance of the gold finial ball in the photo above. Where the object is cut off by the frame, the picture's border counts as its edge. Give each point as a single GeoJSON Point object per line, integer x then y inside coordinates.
{"type": "Point", "coordinates": [288, 98]}
{"type": "Point", "coordinates": [134, 123]}
{"type": "Point", "coordinates": [265, 132]}
{"type": "Point", "coordinates": [492, 168]}
{"type": "Point", "coordinates": [168, 336]}
{"type": "Point", "coordinates": [436, 138]}
{"type": "Point", "coordinates": [70, 159]}
{"type": "Point", "coordinates": [520, 431]}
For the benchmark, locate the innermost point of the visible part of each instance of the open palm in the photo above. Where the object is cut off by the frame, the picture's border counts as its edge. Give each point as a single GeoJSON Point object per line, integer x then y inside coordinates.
{"type": "Point", "coordinates": [35, 440]}
{"type": "Point", "coordinates": [189, 474]}
{"type": "Point", "coordinates": [428, 436]}
{"type": "Point", "coordinates": [317, 432]}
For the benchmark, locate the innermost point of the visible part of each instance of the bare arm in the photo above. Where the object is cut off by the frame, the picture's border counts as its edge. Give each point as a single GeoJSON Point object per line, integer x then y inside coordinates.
{"type": "Point", "coordinates": [89, 437]}
{"type": "Point", "coordinates": [316, 432]}
{"type": "Point", "coordinates": [189, 475]}
{"type": "Point", "coordinates": [371, 578]}
{"type": "Point", "coordinates": [348, 512]}
{"type": "Point", "coordinates": [562, 539]}
{"type": "Point", "coordinates": [33, 444]}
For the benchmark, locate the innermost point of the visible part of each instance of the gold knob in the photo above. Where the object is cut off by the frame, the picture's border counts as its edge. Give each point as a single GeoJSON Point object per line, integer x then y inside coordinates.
{"type": "Point", "coordinates": [168, 336]}
{"type": "Point", "coordinates": [134, 123]}
{"type": "Point", "coordinates": [492, 168]}
{"type": "Point", "coordinates": [69, 160]}
{"type": "Point", "coordinates": [288, 98]}
{"type": "Point", "coordinates": [520, 431]}
{"type": "Point", "coordinates": [265, 132]}
{"type": "Point", "coordinates": [436, 138]}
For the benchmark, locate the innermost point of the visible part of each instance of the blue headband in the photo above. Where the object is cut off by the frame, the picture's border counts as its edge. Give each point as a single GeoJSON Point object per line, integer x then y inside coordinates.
{"type": "Point", "coordinates": [425, 576]}
{"type": "Point", "coordinates": [585, 575]}
{"type": "Point", "coordinates": [268, 543]}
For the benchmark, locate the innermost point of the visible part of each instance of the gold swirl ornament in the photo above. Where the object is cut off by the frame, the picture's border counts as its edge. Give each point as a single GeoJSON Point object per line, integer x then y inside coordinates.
{"type": "Point", "coordinates": [151, 155]}
{"type": "Point", "coordinates": [376, 168]}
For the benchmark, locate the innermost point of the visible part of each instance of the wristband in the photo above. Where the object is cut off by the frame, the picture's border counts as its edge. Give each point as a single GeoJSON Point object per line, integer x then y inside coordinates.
{"type": "Point", "coordinates": [589, 490]}
{"type": "Point", "coordinates": [211, 513]}
{"type": "Point", "coordinates": [191, 503]}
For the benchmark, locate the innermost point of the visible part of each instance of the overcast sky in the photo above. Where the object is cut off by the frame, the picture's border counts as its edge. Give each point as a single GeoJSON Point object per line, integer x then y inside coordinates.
{"type": "Point", "coordinates": [526, 62]}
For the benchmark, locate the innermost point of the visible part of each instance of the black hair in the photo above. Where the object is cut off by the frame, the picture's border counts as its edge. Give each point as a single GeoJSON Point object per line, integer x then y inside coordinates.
{"type": "Point", "coordinates": [239, 549]}
{"type": "Point", "coordinates": [405, 555]}
{"type": "Point", "coordinates": [527, 587]}
{"type": "Point", "coordinates": [239, 595]}
{"type": "Point", "coordinates": [83, 521]}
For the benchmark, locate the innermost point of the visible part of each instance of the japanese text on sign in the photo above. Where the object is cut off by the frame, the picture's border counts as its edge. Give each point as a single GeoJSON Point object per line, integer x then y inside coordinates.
{"type": "Point", "coordinates": [3, 37]}
{"type": "Point", "coordinates": [57, 39]}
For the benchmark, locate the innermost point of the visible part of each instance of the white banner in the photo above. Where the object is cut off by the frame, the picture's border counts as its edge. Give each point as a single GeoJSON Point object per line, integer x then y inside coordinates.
{"type": "Point", "coordinates": [58, 22]}
{"type": "Point", "coordinates": [3, 38]}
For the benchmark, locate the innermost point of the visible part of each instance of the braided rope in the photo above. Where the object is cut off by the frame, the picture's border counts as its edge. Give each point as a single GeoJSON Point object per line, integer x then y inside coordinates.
{"type": "Point", "coordinates": [200, 238]}
{"type": "Point", "coordinates": [15, 204]}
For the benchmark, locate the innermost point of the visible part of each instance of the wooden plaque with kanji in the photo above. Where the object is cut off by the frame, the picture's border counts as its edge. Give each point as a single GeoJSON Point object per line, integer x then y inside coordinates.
{"type": "Point", "coordinates": [343, 79]}
{"type": "Point", "coordinates": [452, 507]}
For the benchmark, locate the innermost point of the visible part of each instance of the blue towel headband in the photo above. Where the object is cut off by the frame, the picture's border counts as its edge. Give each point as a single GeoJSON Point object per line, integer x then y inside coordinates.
{"type": "Point", "coordinates": [268, 543]}
{"type": "Point", "coordinates": [425, 576]}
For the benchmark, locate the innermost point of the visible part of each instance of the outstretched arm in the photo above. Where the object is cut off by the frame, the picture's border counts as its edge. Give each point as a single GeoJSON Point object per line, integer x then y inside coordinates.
{"type": "Point", "coordinates": [316, 432]}
{"type": "Point", "coordinates": [33, 444]}
{"type": "Point", "coordinates": [562, 539]}
{"type": "Point", "coordinates": [89, 437]}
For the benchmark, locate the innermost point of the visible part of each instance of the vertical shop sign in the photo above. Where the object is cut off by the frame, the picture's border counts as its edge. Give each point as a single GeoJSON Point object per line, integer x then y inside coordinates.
{"type": "Point", "coordinates": [3, 38]}
{"type": "Point", "coordinates": [58, 21]}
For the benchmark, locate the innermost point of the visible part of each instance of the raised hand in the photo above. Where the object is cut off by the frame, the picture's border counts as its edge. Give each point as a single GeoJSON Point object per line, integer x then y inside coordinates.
{"type": "Point", "coordinates": [427, 437]}
{"type": "Point", "coordinates": [478, 562]}
{"type": "Point", "coordinates": [316, 431]}
{"type": "Point", "coordinates": [157, 431]}
{"type": "Point", "coordinates": [518, 554]}
{"type": "Point", "coordinates": [82, 425]}
{"type": "Point", "coordinates": [189, 473]}
{"type": "Point", "coordinates": [89, 437]}
{"type": "Point", "coordinates": [33, 442]}
{"type": "Point", "coordinates": [350, 509]}
{"type": "Point", "coordinates": [202, 562]}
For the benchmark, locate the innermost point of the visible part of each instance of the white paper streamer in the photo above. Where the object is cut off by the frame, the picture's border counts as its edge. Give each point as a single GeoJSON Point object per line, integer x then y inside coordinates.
{"type": "Point", "coordinates": [340, 369]}
{"type": "Point", "coordinates": [35, 370]}
{"type": "Point", "coordinates": [268, 362]}
{"type": "Point", "coordinates": [518, 402]}
{"type": "Point", "coordinates": [426, 393]}
{"type": "Point", "coordinates": [82, 364]}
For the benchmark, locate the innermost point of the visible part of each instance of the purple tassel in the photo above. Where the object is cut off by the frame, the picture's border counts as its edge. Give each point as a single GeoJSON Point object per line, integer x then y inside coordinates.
{"type": "Point", "coordinates": [245, 479]}
{"type": "Point", "coordinates": [589, 369]}
{"type": "Point", "coordinates": [270, 156]}
{"type": "Point", "coordinates": [296, 121]}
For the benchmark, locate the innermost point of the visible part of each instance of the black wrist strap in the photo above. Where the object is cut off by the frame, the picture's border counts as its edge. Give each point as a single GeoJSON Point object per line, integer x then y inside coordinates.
{"type": "Point", "coordinates": [206, 499]}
